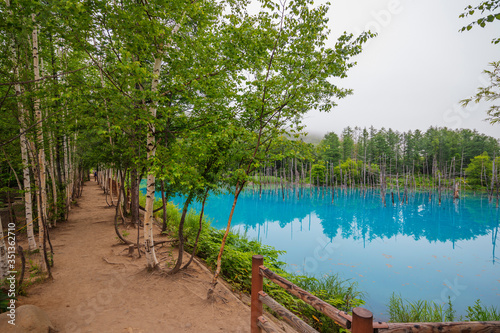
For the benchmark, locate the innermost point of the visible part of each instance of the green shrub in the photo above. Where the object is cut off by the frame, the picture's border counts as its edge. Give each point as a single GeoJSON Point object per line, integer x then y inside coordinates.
{"type": "Point", "coordinates": [334, 290]}
{"type": "Point", "coordinates": [4, 300]}
{"type": "Point", "coordinates": [478, 312]}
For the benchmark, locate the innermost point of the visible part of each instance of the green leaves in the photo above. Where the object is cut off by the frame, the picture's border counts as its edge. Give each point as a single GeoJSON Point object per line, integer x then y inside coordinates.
{"type": "Point", "coordinates": [489, 93]}
{"type": "Point", "coordinates": [231, 86]}
{"type": "Point", "coordinates": [485, 6]}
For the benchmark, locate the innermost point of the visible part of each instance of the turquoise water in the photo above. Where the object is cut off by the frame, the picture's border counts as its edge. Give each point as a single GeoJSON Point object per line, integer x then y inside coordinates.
{"type": "Point", "coordinates": [421, 250]}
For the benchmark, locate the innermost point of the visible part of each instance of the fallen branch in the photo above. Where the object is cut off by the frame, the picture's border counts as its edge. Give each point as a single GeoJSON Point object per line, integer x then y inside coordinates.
{"type": "Point", "coordinates": [154, 211]}
{"type": "Point", "coordinates": [165, 241]}
{"type": "Point", "coordinates": [113, 263]}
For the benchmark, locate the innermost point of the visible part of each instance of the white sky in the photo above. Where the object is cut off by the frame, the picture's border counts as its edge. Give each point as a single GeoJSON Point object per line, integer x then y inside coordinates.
{"type": "Point", "coordinates": [415, 72]}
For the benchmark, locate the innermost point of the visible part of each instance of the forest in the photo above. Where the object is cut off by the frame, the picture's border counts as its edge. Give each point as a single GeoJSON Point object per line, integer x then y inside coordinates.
{"type": "Point", "coordinates": [461, 153]}
{"type": "Point", "coordinates": [196, 98]}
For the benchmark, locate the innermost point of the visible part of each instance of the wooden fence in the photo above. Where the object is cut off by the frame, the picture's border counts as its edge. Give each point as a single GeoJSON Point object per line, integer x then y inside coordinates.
{"type": "Point", "coordinates": [361, 320]}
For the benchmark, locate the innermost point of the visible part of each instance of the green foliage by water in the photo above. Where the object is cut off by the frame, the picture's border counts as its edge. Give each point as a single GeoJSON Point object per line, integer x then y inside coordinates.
{"type": "Point", "coordinates": [333, 289]}
{"type": "Point", "coordinates": [404, 311]}
{"type": "Point", "coordinates": [237, 270]}
{"type": "Point", "coordinates": [480, 170]}
{"type": "Point", "coordinates": [479, 312]}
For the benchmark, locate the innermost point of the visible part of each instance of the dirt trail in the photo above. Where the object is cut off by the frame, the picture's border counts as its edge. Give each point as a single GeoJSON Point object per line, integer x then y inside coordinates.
{"type": "Point", "coordinates": [98, 288]}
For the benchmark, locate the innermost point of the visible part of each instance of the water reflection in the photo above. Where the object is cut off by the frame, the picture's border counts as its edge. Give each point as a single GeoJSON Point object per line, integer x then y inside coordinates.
{"type": "Point", "coordinates": [422, 250]}
{"type": "Point", "coordinates": [353, 214]}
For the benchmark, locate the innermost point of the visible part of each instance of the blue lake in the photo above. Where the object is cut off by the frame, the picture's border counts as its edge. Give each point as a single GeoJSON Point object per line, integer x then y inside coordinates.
{"type": "Point", "coordinates": [421, 250]}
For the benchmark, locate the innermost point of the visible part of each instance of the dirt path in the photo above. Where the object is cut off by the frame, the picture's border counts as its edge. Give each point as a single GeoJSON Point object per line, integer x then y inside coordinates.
{"type": "Point", "coordinates": [98, 288]}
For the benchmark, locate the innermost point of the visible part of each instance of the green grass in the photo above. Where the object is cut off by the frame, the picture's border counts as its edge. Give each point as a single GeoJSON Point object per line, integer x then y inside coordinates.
{"type": "Point", "coordinates": [404, 311]}
{"type": "Point", "coordinates": [401, 311]}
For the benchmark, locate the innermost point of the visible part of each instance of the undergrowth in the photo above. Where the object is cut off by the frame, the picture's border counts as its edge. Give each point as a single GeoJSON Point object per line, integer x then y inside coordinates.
{"type": "Point", "coordinates": [405, 311]}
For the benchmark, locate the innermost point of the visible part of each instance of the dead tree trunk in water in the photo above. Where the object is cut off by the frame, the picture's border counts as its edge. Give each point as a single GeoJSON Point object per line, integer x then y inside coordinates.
{"type": "Point", "coordinates": [382, 189]}
{"type": "Point", "coordinates": [439, 188]}
{"type": "Point", "coordinates": [492, 190]}
{"type": "Point", "coordinates": [496, 176]}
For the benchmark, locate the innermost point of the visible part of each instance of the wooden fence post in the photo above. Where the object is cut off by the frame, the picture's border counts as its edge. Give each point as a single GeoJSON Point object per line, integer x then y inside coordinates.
{"type": "Point", "coordinates": [257, 285]}
{"type": "Point", "coordinates": [362, 321]}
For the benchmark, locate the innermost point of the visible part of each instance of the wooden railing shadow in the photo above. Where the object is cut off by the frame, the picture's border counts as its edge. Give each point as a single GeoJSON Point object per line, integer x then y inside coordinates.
{"type": "Point", "coordinates": [361, 320]}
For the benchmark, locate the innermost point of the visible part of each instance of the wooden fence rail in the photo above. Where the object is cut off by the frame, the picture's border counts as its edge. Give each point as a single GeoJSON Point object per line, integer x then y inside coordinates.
{"type": "Point", "coordinates": [361, 320]}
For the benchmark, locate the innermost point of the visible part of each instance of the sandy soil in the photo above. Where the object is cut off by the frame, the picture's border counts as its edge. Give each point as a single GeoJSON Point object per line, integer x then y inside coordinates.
{"type": "Point", "coordinates": [97, 287]}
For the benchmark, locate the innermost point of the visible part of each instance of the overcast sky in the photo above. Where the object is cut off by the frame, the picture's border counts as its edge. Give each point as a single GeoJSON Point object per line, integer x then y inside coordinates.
{"type": "Point", "coordinates": [415, 72]}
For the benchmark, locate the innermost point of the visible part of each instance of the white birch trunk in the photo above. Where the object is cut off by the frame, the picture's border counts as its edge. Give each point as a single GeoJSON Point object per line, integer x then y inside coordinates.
{"type": "Point", "coordinates": [116, 180]}
{"type": "Point", "coordinates": [28, 204]}
{"type": "Point", "coordinates": [39, 118]}
{"type": "Point", "coordinates": [52, 172]}
{"type": "Point", "coordinates": [41, 228]}
{"type": "Point", "coordinates": [105, 183]}
{"type": "Point", "coordinates": [74, 169]}
{"type": "Point", "coordinates": [151, 153]}
{"type": "Point", "coordinates": [66, 167]}
{"type": "Point", "coordinates": [150, 189]}
{"type": "Point", "coordinates": [111, 174]}
{"type": "Point", "coordinates": [65, 149]}
{"type": "Point", "coordinates": [42, 209]}
{"type": "Point", "coordinates": [69, 173]}
{"type": "Point", "coordinates": [106, 111]}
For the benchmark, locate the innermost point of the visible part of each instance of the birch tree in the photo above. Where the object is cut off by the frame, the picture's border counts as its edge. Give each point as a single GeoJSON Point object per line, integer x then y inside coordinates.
{"type": "Point", "coordinates": [138, 40]}
{"type": "Point", "coordinates": [40, 167]}
{"type": "Point", "coordinates": [151, 152]}
{"type": "Point", "coordinates": [152, 261]}
{"type": "Point", "coordinates": [290, 77]}
{"type": "Point", "coordinates": [28, 204]}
